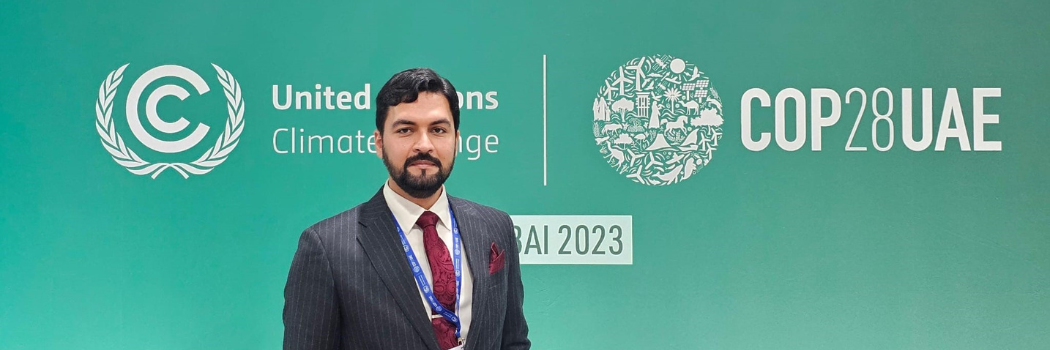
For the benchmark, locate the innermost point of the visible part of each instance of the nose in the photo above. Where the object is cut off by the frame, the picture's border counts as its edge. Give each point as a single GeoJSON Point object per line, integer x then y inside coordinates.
{"type": "Point", "coordinates": [423, 144]}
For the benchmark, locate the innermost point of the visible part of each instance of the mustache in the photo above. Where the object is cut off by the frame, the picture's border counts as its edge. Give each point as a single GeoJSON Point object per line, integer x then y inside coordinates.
{"type": "Point", "coordinates": [422, 157]}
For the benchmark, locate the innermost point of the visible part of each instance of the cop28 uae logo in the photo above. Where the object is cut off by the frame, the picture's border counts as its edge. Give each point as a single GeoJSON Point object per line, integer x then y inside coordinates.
{"type": "Point", "coordinates": [657, 120]}
{"type": "Point", "coordinates": [127, 158]}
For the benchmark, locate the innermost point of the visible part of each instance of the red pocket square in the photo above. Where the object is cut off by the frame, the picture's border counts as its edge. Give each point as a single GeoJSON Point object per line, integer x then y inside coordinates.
{"type": "Point", "coordinates": [495, 259]}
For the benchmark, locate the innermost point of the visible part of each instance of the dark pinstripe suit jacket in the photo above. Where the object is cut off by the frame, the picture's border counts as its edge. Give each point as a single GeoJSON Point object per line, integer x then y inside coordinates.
{"type": "Point", "coordinates": [350, 286]}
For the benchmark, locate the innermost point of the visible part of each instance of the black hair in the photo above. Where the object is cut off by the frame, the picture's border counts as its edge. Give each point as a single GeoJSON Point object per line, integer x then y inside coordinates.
{"type": "Point", "coordinates": [405, 87]}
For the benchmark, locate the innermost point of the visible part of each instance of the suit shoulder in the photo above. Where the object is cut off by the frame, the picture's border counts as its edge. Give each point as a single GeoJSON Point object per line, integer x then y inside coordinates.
{"type": "Point", "coordinates": [483, 210]}
{"type": "Point", "coordinates": [338, 224]}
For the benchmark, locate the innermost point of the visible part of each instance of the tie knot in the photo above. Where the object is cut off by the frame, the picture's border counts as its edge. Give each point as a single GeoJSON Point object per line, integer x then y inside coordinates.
{"type": "Point", "coordinates": [427, 219]}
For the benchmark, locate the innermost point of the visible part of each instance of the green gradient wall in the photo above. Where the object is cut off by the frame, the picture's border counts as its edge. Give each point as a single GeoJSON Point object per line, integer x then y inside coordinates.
{"type": "Point", "coordinates": [768, 249]}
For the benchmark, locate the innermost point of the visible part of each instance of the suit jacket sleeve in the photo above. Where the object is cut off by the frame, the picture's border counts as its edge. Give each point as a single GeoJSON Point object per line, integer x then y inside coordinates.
{"type": "Point", "coordinates": [515, 329]}
{"type": "Point", "coordinates": [311, 311]}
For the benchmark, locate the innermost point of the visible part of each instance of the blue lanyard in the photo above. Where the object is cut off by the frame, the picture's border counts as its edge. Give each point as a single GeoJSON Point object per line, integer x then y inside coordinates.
{"type": "Point", "coordinates": [422, 279]}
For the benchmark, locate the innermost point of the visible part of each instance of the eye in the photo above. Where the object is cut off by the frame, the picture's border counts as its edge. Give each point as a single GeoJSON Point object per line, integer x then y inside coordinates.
{"type": "Point", "coordinates": [440, 130]}
{"type": "Point", "coordinates": [402, 131]}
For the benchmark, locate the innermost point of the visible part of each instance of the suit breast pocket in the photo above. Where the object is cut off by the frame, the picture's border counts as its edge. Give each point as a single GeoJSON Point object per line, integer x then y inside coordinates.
{"type": "Point", "coordinates": [496, 281]}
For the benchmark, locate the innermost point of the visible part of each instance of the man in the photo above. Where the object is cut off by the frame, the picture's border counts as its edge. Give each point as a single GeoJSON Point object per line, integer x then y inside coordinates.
{"type": "Point", "coordinates": [412, 268]}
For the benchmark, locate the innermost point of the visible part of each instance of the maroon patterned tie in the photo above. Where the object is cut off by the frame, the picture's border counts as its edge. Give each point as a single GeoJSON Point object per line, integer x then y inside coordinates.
{"type": "Point", "coordinates": [444, 279]}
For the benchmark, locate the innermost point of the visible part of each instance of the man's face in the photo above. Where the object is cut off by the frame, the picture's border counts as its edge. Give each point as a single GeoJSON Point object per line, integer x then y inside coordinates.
{"type": "Point", "coordinates": [418, 144]}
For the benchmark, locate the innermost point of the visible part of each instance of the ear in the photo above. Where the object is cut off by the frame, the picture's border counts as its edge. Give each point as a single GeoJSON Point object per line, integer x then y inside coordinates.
{"type": "Point", "coordinates": [456, 149]}
{"type": "Point", "coordinates": [379, 143]}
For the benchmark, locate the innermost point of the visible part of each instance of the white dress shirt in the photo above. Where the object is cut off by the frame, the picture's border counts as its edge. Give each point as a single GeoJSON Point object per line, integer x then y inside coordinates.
{"type": "Point", "coordinates": [406, 214]}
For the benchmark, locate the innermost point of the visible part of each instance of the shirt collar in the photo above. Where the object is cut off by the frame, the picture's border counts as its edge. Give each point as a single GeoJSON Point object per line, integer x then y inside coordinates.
{"type": "Point", "coordinates": [407, 212]}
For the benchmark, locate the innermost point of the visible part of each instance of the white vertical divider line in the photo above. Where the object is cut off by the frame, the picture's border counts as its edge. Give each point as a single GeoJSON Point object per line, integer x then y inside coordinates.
{"type": "Point", "coordinates": [544, 120]}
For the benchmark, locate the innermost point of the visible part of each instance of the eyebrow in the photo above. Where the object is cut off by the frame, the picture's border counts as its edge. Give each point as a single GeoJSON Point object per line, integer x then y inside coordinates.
{"type": "Point", "coordinates": [399, 122]}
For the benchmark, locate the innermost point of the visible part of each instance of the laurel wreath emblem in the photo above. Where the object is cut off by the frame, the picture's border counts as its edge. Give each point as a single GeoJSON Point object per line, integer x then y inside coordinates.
{"type": "Point", "coordinates": [211, 158]}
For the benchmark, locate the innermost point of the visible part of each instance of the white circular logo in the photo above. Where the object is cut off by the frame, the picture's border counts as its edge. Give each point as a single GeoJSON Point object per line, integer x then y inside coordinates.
{"type": "Point", "coordinates": [127, 158]}
{"type": "Point", "coordinates": [657, 120]}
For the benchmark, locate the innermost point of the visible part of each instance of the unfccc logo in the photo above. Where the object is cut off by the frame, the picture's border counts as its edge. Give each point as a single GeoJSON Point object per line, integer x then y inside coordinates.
{"type": "Point", "coordinates": [127, 158]}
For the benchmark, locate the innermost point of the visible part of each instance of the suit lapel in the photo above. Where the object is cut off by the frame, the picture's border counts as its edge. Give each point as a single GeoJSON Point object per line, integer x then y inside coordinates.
{"type": "Point", "coordinates": [477, 247]}
{"type": "Point", "coordinates": [383, 247]}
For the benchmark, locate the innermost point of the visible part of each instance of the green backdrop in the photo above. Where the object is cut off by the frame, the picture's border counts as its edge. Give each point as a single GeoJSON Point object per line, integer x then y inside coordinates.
{"type": "Point", "coordinates": [768, 249]}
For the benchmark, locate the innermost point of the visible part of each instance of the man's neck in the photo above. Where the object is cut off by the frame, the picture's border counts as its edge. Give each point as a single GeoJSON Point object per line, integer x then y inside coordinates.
{"type": "Point", "coordinates": [425, 203]}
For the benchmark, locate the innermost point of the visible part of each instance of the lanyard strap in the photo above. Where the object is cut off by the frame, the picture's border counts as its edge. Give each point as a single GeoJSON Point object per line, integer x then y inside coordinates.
{"type": "Point", "coordinates": [421, 279]}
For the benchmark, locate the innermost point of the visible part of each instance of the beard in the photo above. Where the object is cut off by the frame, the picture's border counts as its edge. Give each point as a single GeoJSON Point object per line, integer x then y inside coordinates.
{"type": "Point", "coordinates": [424, 185]}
